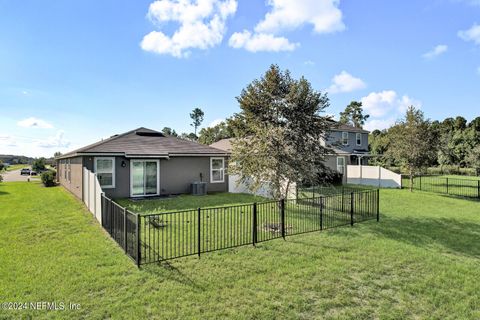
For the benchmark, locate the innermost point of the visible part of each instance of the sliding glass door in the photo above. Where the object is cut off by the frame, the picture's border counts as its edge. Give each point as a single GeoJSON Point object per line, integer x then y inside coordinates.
{"type": "Point", "coordinates": [144, 177]}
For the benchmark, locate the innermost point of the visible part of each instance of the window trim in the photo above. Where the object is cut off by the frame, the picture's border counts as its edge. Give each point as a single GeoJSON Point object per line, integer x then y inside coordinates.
{"type": "Point", "coordinates": [112, 186]}
{"type": "Point", "coordinates": [69, 170]}
{"type": "Point", "coordinates": [358, 137]}
{"type": "Point", "coordinates": [131, 178]}
{"type": "Point", "coordinates": [344, 165]}
{"type": "Point", "coordinates": [222, 169]}
{"type": "Point", "coordinates": [345, 140]}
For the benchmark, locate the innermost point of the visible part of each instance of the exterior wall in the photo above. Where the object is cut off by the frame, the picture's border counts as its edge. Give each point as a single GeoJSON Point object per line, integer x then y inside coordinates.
{"type": "Point", "coordinates": [335, 139]}
{"type": "Point", "coordinates": [73, 181]}
{"type": "Point", "coordinates": [176, 175]}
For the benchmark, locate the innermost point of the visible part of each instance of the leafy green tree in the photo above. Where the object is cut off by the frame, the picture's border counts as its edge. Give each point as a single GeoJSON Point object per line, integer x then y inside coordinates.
{"type": "Point", "coordinates": [378, 145]}
{"type": "Point", "coordinates": [353, 115]}
{"type": "Point", "coordinates": [39, 164]}
{"type": "Point", "coordinates": [213, 134]}
{"type": "Point", "coordinates": [169, 132]}
{"type": "Point", "coordinates": [189, 136]}
{"type": "Point", "coordinates": [57, 154]}
{"type": "Point", "coordinates": [281, 124]}
{"type": "Point", "coordinates": [473, 158]}
{"type": "Point", "coordinates": [2, 166]}
{"type": "Point", "coordinates": [197, 118]}
{"type": "Point", "coordinates": [412, 143]}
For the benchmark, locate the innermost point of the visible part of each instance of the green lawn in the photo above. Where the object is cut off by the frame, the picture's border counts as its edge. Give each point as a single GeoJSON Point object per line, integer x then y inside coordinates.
{"type": "Point", "coordinates": [16, 167]}
{"type": "Point", "coordinates": [421, 261]}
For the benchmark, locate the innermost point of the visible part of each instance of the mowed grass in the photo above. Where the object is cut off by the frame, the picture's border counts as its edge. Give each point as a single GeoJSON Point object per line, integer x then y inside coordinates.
{"type": "Point", "coordinates": [16, 167]}
{"type": "Point", "coordinates": [421, 261]}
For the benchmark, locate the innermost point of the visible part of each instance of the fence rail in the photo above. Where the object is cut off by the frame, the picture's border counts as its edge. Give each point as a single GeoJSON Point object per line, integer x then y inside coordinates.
{"type": "Point", "coordinates": [468, 188]}
{"type": "Point", "coordinates": [164, 236]}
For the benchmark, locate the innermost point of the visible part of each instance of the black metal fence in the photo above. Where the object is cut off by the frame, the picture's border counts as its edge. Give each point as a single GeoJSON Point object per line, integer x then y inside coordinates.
{"type": "Point", "coordinates": [469, 188]}
{"type": "Point", "coordinates": [121, 224]}
{"type": "Point", "coordinates": [170, 235]}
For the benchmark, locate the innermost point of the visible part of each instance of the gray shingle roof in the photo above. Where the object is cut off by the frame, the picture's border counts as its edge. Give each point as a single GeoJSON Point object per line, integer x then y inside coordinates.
{"type": "Point", "coordinates": [145, 142]}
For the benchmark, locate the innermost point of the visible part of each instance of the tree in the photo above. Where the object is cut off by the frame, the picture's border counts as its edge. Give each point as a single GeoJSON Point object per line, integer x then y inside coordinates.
{"type": "Point", "coordinates": [412, 143]}
{"type": "Point", "coordinates": [189, 136]}
{"type": "Point", "coordinates": [213, 134]}
{"type": "Point", "coordinates": [57, 154]}
{"type": "Point", "coordinates": [473, 158]}
{"type": "Point", "coordinates": [2, 166]}
{"type": "Point", "coordinates": [353, 115]}
{"type": "Point", "coordinates": [279, 133]}
{"type": "Point", "coordinates": [39, 164]}
{"type": "Point", "coordinates": [197, 118]}
{"type": "Point", "coordinates": [169, 132]}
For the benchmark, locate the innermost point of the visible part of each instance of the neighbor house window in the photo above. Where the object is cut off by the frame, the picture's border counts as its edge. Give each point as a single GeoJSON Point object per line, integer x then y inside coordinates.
{"type": "Point", "coordinates": [345, 138]}
{"type": "Point", "coordinates": [217, 170]}
{"type": "Point", "coordinates": [341, 165]}
{"type": "Point", "coordinates": [65, 169]}
{"type": "Point", "coordinates": [359, 139]}
{"type": "Point", "coordinates": [105, 169]}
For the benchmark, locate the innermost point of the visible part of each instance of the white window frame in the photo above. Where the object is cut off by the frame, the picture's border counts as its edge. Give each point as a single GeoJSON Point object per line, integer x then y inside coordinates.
{"type": "Point", "coordinates": [69, 170]}
{"type": "Point", "coordinates": [65, 175]}
{"type": "Point", "coordinates": [222, 170]}
{"type": "Point", "coordinates": [343, 166]}
{"type": "Point", "coordinates": [358, 137]}
{"type": "Point", "coordinates": [345, 140]}
{"type": "Point", "coordinates": [131, 178]}
{"type": "Point", "coordinates": [112, 186]}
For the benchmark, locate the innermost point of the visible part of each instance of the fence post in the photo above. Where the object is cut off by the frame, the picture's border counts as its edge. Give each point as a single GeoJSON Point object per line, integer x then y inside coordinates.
{"type": "Point", "coordinates": [343, 199]}
{"type": "Point", "coordinates": [254, 224]}
{"type": "Point", "coordinates": [125, 229]}
{"type": "Point", "coordinates": [282, 216]}
{"type": "Point", "coordinates": [447, 185]}
{"type": "Point", "coordinates": [420, 182]}
{"type": "Point", "coordinates": [139, 251]}
{"type": "Point", "coordinates": [321, 213]}
{"type": "Point", "coordinates": [351, 209]}
{"type": "Point", "coordinates": [478, 188]}
{"type": "Point", "coordinates": [199, 222]}
{"type": "Point", "coordinates": [378, 205]}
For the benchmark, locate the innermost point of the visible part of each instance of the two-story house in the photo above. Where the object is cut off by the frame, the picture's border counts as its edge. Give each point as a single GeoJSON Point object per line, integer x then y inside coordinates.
{"type": "Point", "coordinates": [349, 145]}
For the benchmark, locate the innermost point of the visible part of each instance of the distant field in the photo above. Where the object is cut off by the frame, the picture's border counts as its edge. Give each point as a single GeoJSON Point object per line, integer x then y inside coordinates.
{"type": "Point", "coordinates": [17, 167]}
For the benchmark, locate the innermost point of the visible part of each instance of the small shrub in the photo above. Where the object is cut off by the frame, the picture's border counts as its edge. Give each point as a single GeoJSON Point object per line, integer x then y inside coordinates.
{"type": "Point", "coordinates": [1, 178]}
{"type": "Point", "coordinates": [48, 178]}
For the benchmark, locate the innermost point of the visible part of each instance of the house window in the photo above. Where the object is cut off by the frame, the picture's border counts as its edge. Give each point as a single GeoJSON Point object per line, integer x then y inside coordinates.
{"type": "Point", "coordinates": [105, 169]}
{"type": "Point", "coordinates": [345, 138]}
{"type": "Point", "coordinates": [65, 169]}
{"type": "Point", "coordinates": [359, 139]}
{"type": "Point", "coordinates": [217, 170]}
{"type": "Point", "coordinates": [69, 171]}
{"type": "Point", "coordinates": [341, 165]}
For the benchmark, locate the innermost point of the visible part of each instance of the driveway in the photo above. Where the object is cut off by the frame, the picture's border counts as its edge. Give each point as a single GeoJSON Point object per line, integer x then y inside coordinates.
{"type": "Point", "coordinates": [15, 175]}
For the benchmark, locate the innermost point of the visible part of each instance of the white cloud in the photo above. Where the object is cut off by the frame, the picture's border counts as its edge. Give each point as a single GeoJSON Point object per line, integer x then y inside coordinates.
{"type": "Point", "coordinates": [260, 42]}
{"type": "Point", "coordinates": [8, 141]}
{"type": "Point", "coordinates": [438, 50]}
{"type": "Point", "coordinates": [345, 82]}
{"type": "Point", "coordinates": [285, 15]}
{"type": "Point", "coordinates": [202, 25]}
{"type": "Point", "coordinates": [309, 63]}
{"type": "Point", "coordinates": [33, 122]}
{"type": "Point", "coordinates": [215, 122]}
{"type": "Point", "coordinates": [379, 124]}
{"type": "Point", "coordinates": [56, 141]}
{"type": "Point", "coordinates": [324, 15]}
{"type": "Point", "coordinates": [378, 104]}
{"type": "Point", "coordinates": [472, 34]}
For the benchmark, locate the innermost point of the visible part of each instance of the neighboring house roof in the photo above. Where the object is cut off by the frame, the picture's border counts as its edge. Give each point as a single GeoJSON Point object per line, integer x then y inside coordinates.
{"type": "Point", "coordinates": [224, 144]}
{"type": "Point", "coordinates": [145, 142]}
{"type": "Point", "coordinates": [348, 128]}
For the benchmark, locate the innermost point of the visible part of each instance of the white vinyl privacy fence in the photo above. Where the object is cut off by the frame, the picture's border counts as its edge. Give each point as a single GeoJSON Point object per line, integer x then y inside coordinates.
{"type": "Point", "coordinates": [236, 186]}
{"type": "Point", "coordinates": [373, 176]}
{"type": "Point", "coordinates": [92, 194]}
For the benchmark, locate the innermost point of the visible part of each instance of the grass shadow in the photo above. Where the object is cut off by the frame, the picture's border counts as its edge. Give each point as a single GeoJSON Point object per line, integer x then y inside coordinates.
{"type": "Point", "coordinates": [450, 235]}
{"type": "Point", "coordinates": [167, 271]}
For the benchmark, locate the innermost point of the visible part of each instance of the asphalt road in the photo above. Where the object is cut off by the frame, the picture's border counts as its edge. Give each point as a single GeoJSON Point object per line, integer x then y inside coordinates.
{"type": "Point", "coordinates": [15, 175]}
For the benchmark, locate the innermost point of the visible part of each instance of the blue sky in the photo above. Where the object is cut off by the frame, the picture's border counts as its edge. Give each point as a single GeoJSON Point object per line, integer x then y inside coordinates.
{"type": "Point", "coordinates": [72, 72]}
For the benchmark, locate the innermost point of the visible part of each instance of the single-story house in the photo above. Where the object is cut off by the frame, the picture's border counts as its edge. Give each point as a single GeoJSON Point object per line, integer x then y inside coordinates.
{"type": "Point", "coordinates": [144, 162]}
